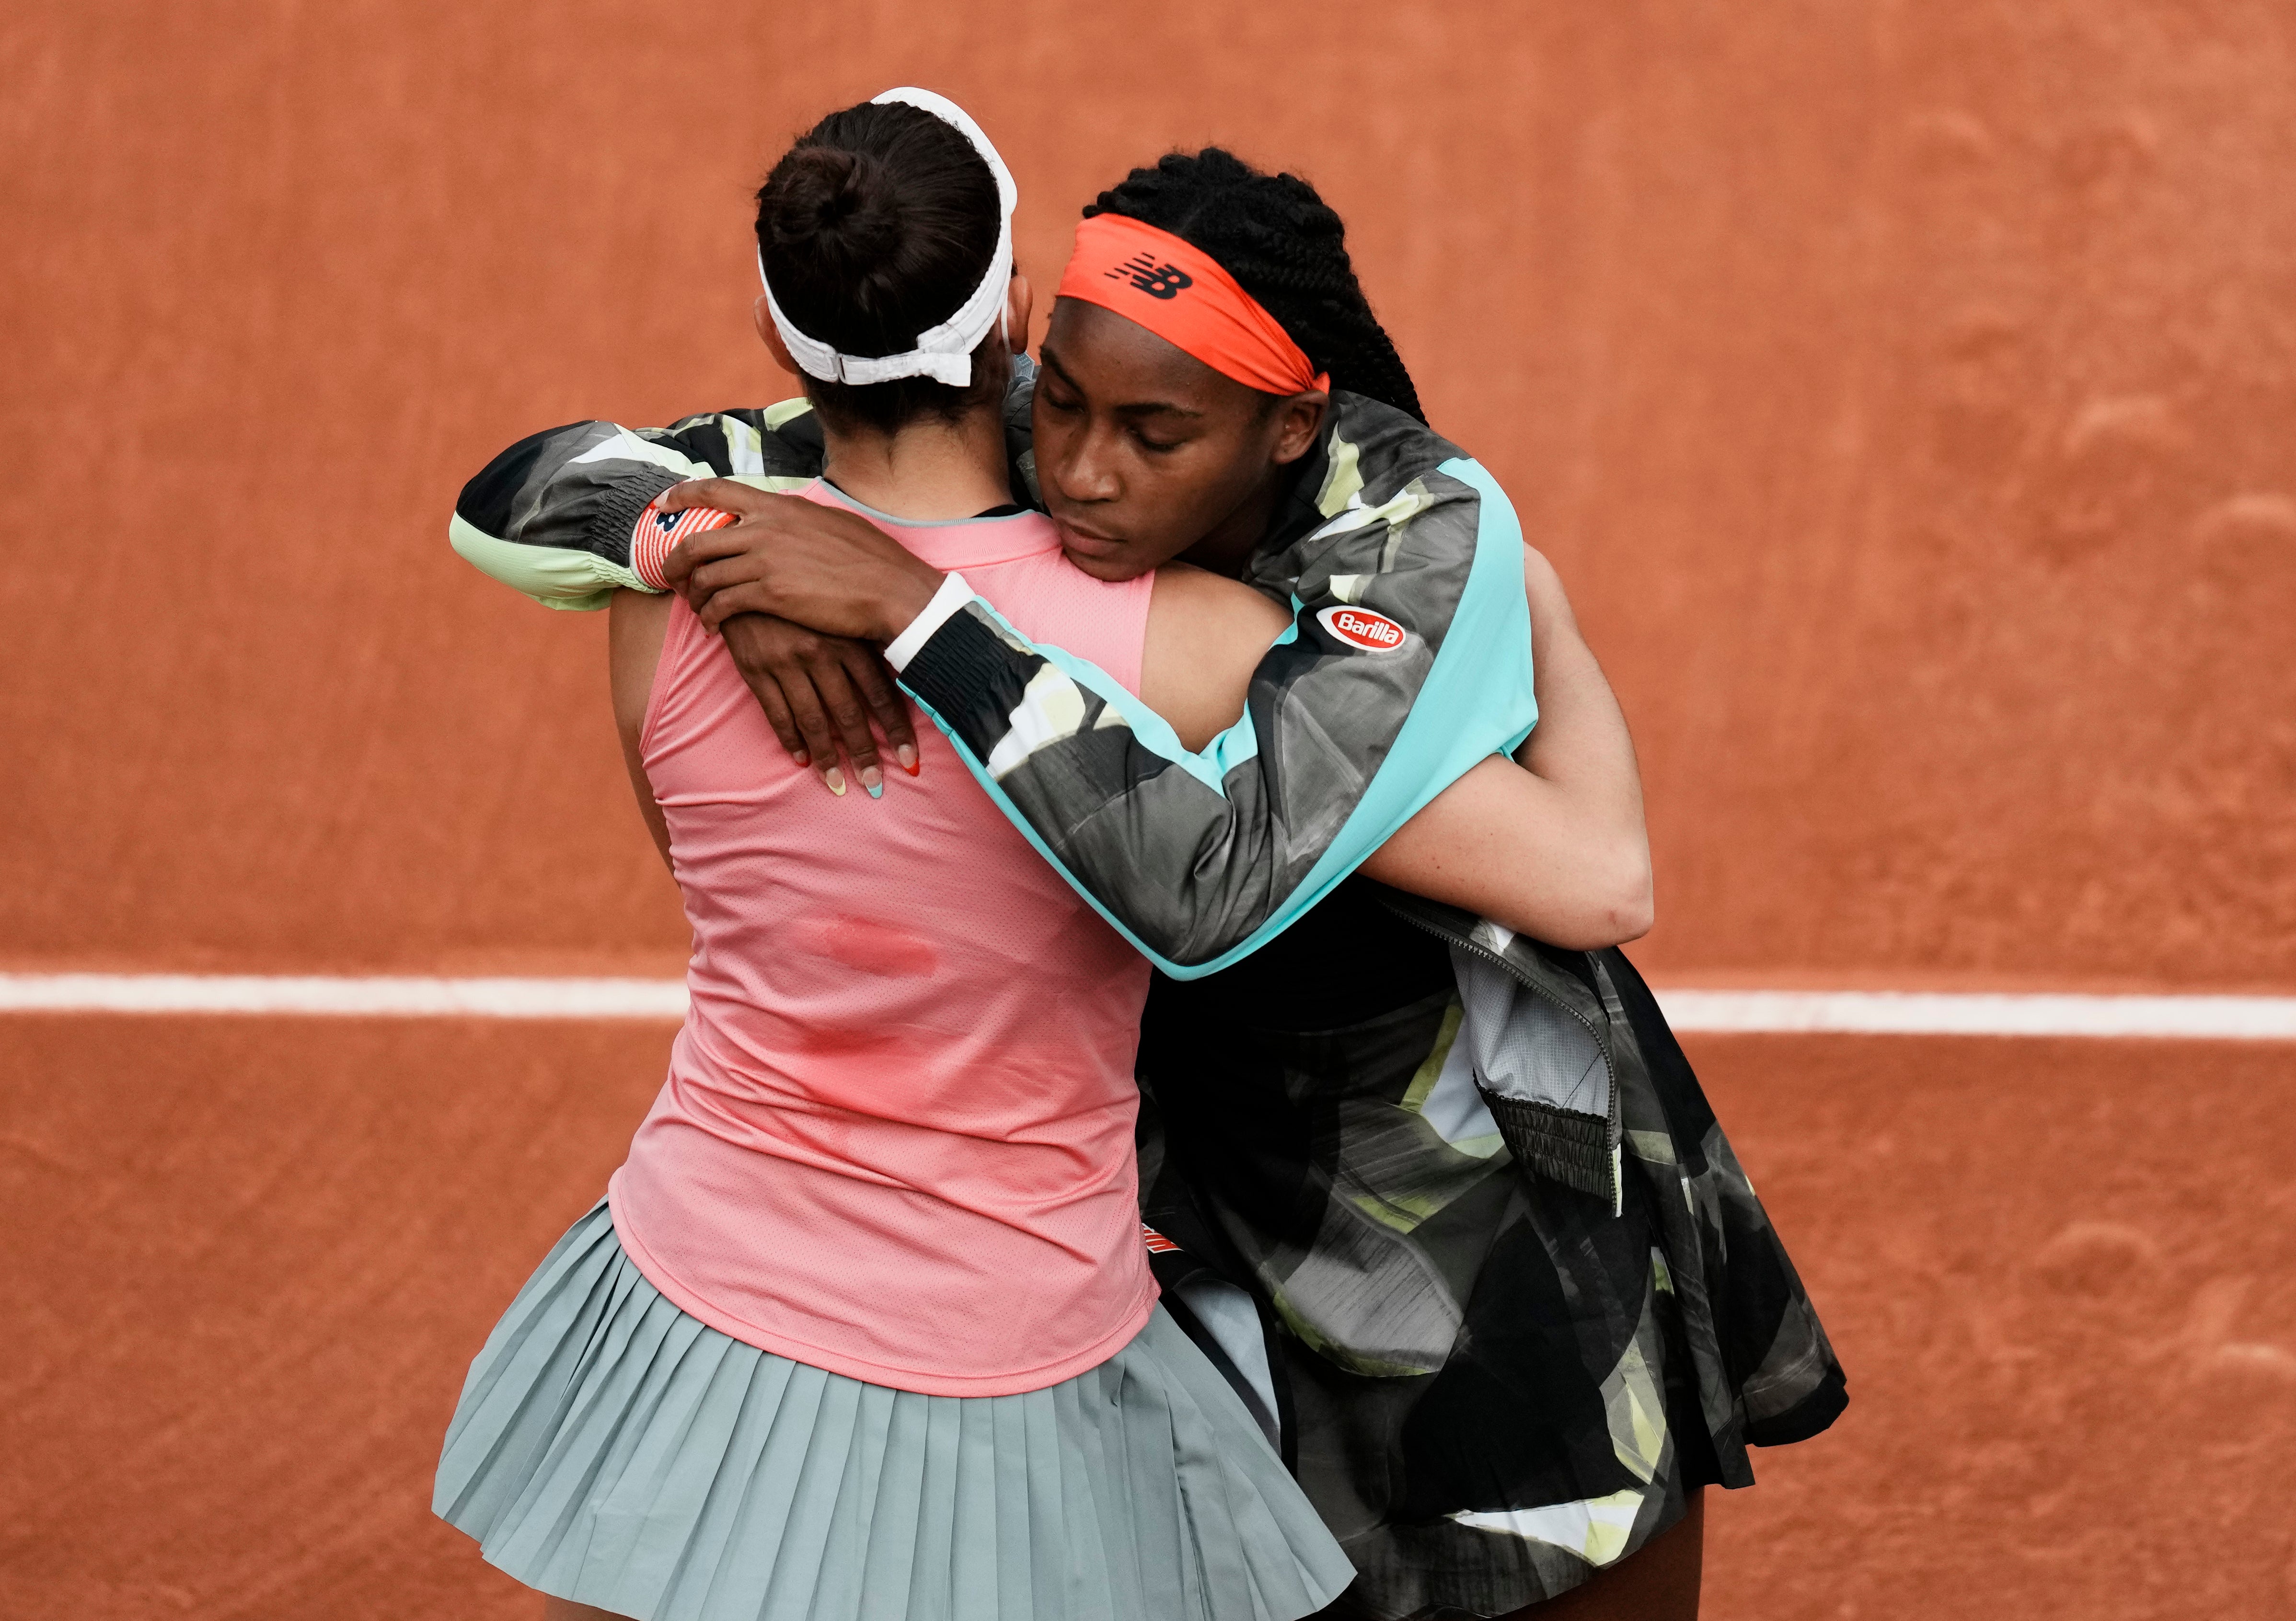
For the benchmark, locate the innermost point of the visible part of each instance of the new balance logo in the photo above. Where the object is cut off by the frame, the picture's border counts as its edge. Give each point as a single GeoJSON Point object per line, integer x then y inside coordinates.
{"type": "Point", "coordinates": [1157, 281]}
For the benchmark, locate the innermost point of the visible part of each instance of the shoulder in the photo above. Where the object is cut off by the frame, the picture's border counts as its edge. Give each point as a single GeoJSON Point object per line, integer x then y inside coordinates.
{"type": "Point", "coordinates": [1395, 519]}
{"type": "Point", "coordinates": [1382, 483]}
{"type": "Point", "coordinates": [1209, 607]}
{"type": "Point", "coordinates": [1206, 635]}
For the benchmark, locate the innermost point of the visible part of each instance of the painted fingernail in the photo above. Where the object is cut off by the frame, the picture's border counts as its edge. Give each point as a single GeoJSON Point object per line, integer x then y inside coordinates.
{"type": "Point", "coordinates": [835, 781]}
{"type": "Point", "coordinates": [874, 780]}
{"type": "Point", "coordinates": [908, 756]}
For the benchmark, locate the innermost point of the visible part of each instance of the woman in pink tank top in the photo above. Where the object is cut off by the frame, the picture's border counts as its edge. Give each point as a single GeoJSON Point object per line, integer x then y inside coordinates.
{"type": "Point", "coordinates": [915, 1092]}
{"type": "Point", "coordinates": [864, 1325]}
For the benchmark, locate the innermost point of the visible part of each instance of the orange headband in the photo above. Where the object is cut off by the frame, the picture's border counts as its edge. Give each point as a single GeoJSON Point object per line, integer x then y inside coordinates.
{"type": "Point", "coordinates": [1179, 292]}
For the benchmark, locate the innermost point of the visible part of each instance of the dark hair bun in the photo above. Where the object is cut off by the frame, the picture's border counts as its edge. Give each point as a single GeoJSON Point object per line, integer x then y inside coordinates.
{"type": "Point", "coordinates": [838, 206]}
{"type": "Point", "coordinates": [876, 226]}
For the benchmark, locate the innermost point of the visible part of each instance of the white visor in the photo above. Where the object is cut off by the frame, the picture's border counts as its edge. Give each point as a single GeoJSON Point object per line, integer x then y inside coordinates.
{"type": "Point", "coordinates": [944, 353]}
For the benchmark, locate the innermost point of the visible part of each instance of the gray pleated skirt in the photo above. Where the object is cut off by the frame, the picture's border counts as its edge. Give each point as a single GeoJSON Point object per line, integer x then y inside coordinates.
{"type": "Point", "coordinates": [612, 1449]}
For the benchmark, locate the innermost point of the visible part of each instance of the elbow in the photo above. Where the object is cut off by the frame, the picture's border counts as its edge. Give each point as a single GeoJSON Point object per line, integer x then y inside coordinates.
{"type": "Point", "coordinates": [1616, 904]}
{"type": "Point", "coordinates": [1635, 908]}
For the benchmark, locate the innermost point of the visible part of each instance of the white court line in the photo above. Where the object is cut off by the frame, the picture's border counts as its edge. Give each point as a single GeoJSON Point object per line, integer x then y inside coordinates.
{"type": "Point", "coordinates": [389, 996]}
{"type": "Point", "coordinates": [1760, 1012]}
{"type": "Point", "coordinates": [1983, 1013]}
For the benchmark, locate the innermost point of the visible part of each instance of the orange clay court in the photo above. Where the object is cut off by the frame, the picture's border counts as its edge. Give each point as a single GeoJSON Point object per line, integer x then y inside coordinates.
{"type": "Point", "coordinates": [1906, 393]}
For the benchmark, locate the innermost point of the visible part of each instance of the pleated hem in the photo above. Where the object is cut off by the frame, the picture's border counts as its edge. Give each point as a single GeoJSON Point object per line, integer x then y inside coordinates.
{"type": "Point", "coordinates": [612, 1449]}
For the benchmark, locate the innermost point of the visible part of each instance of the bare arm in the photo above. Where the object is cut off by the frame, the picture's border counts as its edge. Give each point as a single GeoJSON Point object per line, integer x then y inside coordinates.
{"type": "Point", "coordinates": [1555, 848]}
{"type": "Point", "coordinates": [634, 630]}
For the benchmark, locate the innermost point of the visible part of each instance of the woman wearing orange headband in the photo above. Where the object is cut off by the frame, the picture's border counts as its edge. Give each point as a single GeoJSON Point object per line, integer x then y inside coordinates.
{"type": "Point", "coordinates": [1519, 1302]}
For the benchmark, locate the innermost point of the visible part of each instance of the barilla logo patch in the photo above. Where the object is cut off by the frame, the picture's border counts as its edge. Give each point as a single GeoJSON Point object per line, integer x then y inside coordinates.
{"type": "Point", "coordinates": [1375, 632]}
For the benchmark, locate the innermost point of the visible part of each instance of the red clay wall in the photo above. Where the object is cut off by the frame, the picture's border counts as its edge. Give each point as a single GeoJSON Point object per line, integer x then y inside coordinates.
{"type": "Point", "coordinates": [1906, 391]}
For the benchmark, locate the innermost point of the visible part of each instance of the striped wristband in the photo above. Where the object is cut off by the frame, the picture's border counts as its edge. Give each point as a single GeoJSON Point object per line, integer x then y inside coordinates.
{"type": "Point", "coordinates": [656, 532]}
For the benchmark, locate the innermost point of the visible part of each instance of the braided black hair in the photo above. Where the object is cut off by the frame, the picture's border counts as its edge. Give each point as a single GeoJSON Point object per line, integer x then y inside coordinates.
{"type": "Point", "coordinates": [1284, 247]}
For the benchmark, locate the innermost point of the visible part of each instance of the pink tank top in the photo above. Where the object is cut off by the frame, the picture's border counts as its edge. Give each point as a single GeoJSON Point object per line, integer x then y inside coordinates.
{"type": "Point", "coordinates": [895, 1138]}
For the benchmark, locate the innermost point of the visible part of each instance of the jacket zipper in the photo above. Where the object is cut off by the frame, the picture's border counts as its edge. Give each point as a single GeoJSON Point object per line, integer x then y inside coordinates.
{"type": "Point", "coordinates": [1602, 1037]}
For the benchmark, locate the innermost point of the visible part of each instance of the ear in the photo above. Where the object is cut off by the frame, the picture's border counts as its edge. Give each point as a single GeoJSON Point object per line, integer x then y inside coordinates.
{"type": "Point", "coordinates": [762, 313]}
{"type": "Point", "coordinates": [1019, 304]}
{"type": "Point", "coordinates": [1299, 423]}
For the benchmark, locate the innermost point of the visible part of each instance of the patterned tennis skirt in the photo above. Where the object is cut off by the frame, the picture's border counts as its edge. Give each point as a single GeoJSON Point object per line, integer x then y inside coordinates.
{"type": "Point", "coordinates": [611, 1450]}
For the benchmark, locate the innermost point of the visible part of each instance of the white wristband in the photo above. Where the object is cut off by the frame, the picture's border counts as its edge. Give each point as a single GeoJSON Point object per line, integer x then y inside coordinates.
{"type": "Point", "coordinates": [953, 594]}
